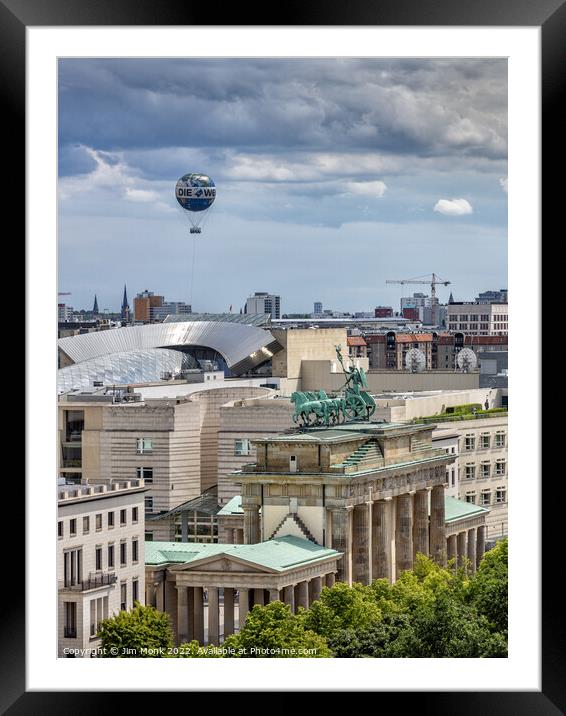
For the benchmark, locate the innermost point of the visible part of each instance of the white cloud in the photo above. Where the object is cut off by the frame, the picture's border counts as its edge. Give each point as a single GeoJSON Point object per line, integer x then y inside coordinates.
{"type": "Point", "coordinates": [453, 207]}
{"type": "Point", "coordinates": [367, 188]}
{"type": "Point", "coordinates": [503, 182]}
{"type": "Point", "coordinates": [142, 195]}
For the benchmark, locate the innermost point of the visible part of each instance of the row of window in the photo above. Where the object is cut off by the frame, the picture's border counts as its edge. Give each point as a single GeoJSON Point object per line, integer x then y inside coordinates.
{"type": "Point", "coordinates": [483, 441]}
{"type": "Point", "coordinates": [485, 470]}
{"type": "Point", "coordinates": [471, 317]}
{"type": "Point", "coordinates": [485, 497]}
{"type": "Point", "coordinates": [86, 522]}
{"type": "Point", "coordinates": [73, 560]}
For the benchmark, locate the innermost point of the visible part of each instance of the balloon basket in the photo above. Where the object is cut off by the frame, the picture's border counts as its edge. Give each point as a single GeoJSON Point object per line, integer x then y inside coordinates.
{"type": "Point", "coordinates": [195, 230]}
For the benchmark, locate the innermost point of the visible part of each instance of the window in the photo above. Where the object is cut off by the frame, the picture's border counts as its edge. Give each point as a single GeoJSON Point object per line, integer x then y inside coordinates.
{"type": "Point", "coordinates": [86, 525]}
{"type": "Point", "coordinates": [98, 612]}
{"type": "Point", "coordinates": [485, 498]}
{"type": "Point", "coordinates": [469, 472]}
{"type": "Point", "coordinates": [242, 447]}
{"type": "Point", "coordinates": [144, 473]}
{"type": "Point", "coordinates": [98, 522]}
{"type": "Point", "coordinates": [149, 536]}
{"type": "Point", "coordinates": [500, 439]}
{"type": "Point", "coordinates": [469, 442]}
{"type": "Point", "coordinates": [72, 567]}
{"type": "Point", "coordinates": [134, 514]}
{"type": "Point", "coordinates": [110, 556]}
{"type": "Point", "coordinates": [484, 440]}
{"type": "Point", "coordinates": [123, 558]}
{"type": "Point", "coordinates": [110, 519]}
{"type": "Point", "coordinates": [148, 501]}
{"type": "Point", "coordinates": [144, 445]}
{"type": "Point", "coordinates": [474, 317]}
{"type": "Point", "coordinates": [122, 517]}
{"type": "Point", "coordinates": [98, 559]}
{"type": "Point", "coordinates": [123, 596]}
{"type": "Point", "coordinates": [72, 527]}
{"type": "Point", "coordinates": [484, 317]}
{"type": "Point", "coordinates": [70, 626]}
{"type": "Point", "coordinates": [500, 467]}
{"type": "Point", "coordinates": [500, 495]}
{"type": "Point", "coordinates": [463, 317]}
{"type": "Point", "coordinates": [134, 550]}
{"type": "Point", "coordinates": [485, 469]}
{"type": "Point", "coordinates": [484, 327]}
{"type": "Point", "coordinates": [59, 529]}
{"type": "Point", "coordinates": [135, 590]}
{"type": "Point", "coordinates": [471, 497]}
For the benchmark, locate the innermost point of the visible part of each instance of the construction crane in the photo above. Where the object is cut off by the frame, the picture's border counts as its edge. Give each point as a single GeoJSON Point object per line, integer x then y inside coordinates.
{"type": "Point", "coordinates": [432, 282]}
{"type": "Point", "coordinates": [64, 293]}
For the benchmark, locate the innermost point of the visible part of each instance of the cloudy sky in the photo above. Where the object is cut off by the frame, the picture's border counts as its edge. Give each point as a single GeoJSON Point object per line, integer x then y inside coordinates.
{"type": "Point", "coordinates": [332, 176]}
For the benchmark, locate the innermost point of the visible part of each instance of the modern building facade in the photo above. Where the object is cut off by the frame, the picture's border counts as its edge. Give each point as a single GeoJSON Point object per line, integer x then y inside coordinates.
{"type": "Point", "coordinates": [100, 559]}
{"type": "Point", "coordinates": [262, 302]}
{"type": "Point", "coordinates": [143, 303]}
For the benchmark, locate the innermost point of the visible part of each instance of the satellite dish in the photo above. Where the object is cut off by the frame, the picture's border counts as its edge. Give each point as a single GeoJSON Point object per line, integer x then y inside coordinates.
{"type": "Point", "coordinates": [466, 360]}
{"type": "Point", "coordinates": [415, 360]}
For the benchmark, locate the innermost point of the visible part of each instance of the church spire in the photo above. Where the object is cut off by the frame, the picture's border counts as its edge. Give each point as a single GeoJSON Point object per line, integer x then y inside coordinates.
{"type": "Point", "coordinates": [125, 311]}
{"type": "Point", "coordinates": [95, 307]}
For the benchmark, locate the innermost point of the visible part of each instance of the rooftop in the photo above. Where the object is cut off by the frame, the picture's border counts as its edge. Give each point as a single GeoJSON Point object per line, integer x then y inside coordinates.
{"type": "Point", "coordinates": [458, 509]}
{"type": "Point", "coordinates": [279, 555]}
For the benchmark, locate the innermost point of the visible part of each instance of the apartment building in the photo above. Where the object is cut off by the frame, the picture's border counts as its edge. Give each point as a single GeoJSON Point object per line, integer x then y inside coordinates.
{"type": "Point", "coordinates": [100, 559]}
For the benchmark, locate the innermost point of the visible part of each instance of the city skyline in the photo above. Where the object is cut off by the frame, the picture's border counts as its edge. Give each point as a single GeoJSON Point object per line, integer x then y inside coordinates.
{"type": "Point", "coordinates": [332, 176]}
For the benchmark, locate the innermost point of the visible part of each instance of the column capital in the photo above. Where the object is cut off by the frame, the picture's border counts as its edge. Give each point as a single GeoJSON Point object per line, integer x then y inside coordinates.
{"type": "Point", "coordinates": [411, 492]}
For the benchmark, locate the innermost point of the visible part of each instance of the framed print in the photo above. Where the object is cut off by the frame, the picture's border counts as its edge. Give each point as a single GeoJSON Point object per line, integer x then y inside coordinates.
{"type": "Point", "coordinates": [284, 128]}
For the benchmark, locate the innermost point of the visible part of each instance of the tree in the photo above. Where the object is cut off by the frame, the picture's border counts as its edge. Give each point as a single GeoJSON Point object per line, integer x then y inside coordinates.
{"type": "Point", "coordinates": [142, 632]}
{"type": "Point", "coordinates": [273, 631]}
{"type": "Point", "coordinates": [488, 589]}
{"type": "Point", "coordinates": [342, 607]}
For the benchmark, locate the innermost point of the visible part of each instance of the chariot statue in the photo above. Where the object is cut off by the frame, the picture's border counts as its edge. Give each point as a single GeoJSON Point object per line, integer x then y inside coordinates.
{"type": "Point", "coordinates": [315, 408]}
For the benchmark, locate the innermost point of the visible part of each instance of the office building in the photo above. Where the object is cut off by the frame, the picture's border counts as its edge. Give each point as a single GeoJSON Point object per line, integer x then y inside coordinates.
{"type": "Point", "coordinates": [262, 302]}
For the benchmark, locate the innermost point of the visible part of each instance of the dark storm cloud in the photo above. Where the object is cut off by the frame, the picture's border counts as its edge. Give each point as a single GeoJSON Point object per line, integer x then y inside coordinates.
{"type": "Point", "coordinates": [431, 108]}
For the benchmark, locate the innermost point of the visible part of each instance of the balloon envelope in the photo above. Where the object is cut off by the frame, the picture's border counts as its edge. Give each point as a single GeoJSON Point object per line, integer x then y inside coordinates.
{"type": "Point", "coordinates": [195, 192]}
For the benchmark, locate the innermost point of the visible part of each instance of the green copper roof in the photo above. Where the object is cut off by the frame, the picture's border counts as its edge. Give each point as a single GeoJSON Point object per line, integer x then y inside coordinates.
{"type": "Point", "coordinates": [280, 554]}
{"type": "Point", "coordinates": [455, 509]}
{"type": "Point", "coordinates": [233, 507]}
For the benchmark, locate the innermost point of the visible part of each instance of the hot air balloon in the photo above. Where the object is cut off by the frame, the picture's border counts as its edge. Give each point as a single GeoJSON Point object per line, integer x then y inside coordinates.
{"type": "Point", "coordinates": [196, 194]}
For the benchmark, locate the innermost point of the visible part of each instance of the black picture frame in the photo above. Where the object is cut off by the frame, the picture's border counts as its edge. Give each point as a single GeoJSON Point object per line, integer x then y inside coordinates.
{"type": "Point", "coordinates": [550, 16]}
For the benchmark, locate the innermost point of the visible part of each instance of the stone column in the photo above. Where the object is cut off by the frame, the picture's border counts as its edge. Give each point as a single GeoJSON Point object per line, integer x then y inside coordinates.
{"type": "Point", "coordinates": [302, 594]}
{"type": "Point", "coordinates": [251, 524]}
{"type": "Point", "coordinates": [198, 618]}
{"type": "Point", "coordinates": [472, 549]}
{"type": "Point", "coordinates": [274, 595]}
{"type": "Point", "coordinates": [259, 597]}
{"type": "Point", "coordinates": [420, 527]}
{"type": "Point", "coordinates": [330, 580]}
{"type": "Point", "coordinates": [381, 539]}
{"type": "Point", "coordinates": [289, 596]}
{"type": "Point", "coordinates": [315, 589]}
{"type": "Point", "coordinates": [360, 543]}
{"type": "Point", "coordinates": [191, 612]}
{"type": "Point", "coordinates": [462, 553]}
{"type": "Point", "coordinates": [452, 546]}
{"type": "Point", "coordinates": [213, 621]}
{"type": "Point", "coordinates": [403, 533]}
{"type": "Point", "coordinates": [243, 607]}
{"type": "Point", "coordinates": [234, 536]}
{"type": "Point", "coordinates": [171, 607]}
{"type": "Point", "coordinates": [159, 598]}
{"type": "Point", "coordinates": [150, 589]}
{"type": "Point", "coordinates": [480, 545]}
{"type": "Point", "coordinates": [228, 611]}
{"type": "Point", "coordinates": [341, 541]}
{"type": "Point", "coordinates": [437, 526]}
{"type": "Point", "coordinates": [182, 615]}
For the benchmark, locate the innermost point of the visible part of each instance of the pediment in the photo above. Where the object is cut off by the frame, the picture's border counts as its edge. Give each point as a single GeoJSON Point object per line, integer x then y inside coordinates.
{"type": "Point", "coordinates": [224, 563]}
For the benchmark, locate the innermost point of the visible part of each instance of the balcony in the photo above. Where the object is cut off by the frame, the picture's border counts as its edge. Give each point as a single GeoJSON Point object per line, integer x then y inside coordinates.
{"type": "Point", "coordinates": [71, 462]}
{"type": "Point", "coordinates": [93, 581]}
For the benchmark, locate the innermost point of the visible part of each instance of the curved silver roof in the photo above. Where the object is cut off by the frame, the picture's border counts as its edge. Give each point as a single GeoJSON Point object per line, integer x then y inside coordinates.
{"type": "Point", "coordinates": [243, 347]}
{"type": "Point", "coordinates": [146, 366]}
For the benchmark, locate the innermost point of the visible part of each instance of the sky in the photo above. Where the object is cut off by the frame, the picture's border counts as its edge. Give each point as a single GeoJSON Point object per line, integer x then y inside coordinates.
{"type": "Point", "coordinates": [332, 176]}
